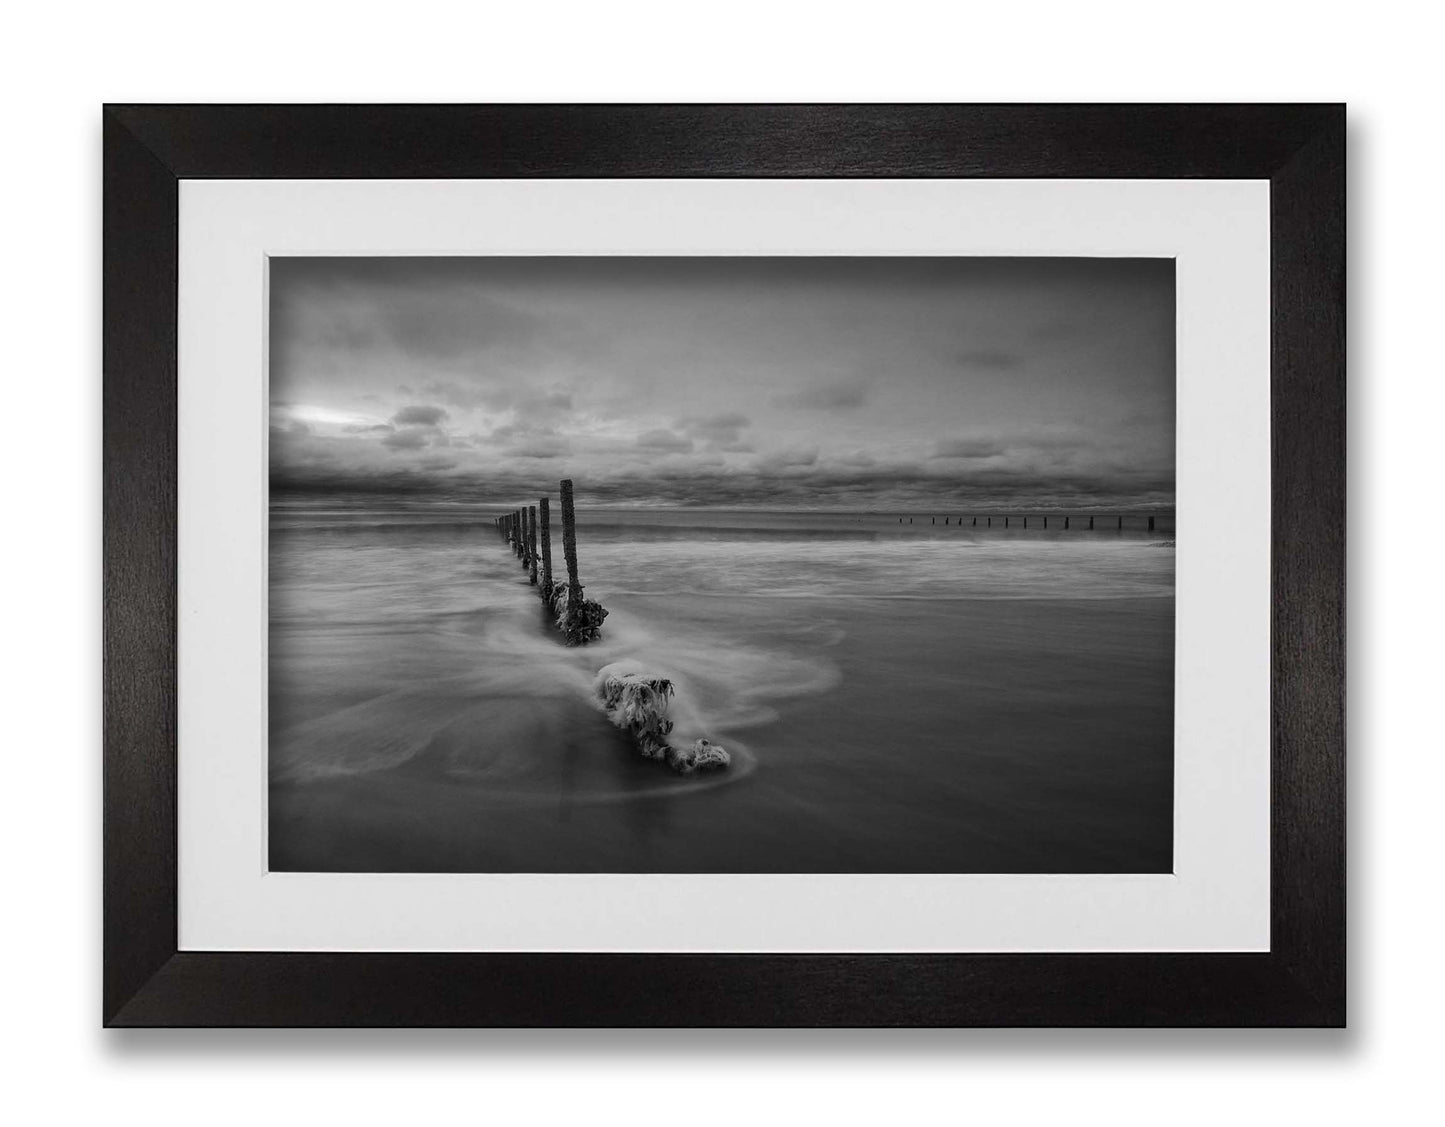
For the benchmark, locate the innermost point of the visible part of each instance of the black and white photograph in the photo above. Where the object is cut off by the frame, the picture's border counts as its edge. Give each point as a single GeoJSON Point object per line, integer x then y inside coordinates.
{"type": "Point", "coordinates": [721, 564]}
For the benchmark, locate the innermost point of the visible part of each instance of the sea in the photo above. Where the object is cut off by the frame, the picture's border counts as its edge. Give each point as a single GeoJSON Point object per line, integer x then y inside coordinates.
{"type": "Point", "coordinates": [899, 692]}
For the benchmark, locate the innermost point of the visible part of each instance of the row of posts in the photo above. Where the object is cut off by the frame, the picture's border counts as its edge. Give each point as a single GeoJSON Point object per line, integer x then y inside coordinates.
{"type": "Point", "coordinates": [529, 528]}
{"type": "Point", "coordinates": [989, 522]}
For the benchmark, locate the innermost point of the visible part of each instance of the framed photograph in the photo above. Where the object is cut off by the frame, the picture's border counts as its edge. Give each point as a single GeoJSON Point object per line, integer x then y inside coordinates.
{"type": "Point", "coordinates": [724, 565]}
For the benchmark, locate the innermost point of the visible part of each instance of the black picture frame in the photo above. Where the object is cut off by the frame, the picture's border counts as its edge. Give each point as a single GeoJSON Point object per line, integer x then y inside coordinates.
{"type": "Point", "coordinates": [1299, 149]}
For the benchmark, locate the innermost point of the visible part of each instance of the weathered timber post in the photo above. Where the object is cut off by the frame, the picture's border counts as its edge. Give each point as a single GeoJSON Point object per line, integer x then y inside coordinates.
{"type": "Point", "coordinates": [1066, 524]}
{"type": "Point", "coordinates": [1091, 524]}
{"type": "Point", "coordinates": [1005, 522]}
{"type": "Point", "coordinates": [1121, 524]}
{"type": "Point", "coordinates": [932, 520]}
{"type": "Point", "coordinates": [1046, 522]}
{"type": "Point", "coordinates": [532, 543]}
{"type": "Point", "coordinates": [526, 555]}
{"type": "Point", "coordinates": [1151, 524]}
{"type": "Point", "coordinates": [546, 529]}
{"type": "Point", "coordinates": [1026, 522]}
{"type": "Point", "coordinates": [517, 532]}
{"type": "Point", "coordinates": [990, 522]}
{"type": "Point", "coordinates": [975, 523]}
{"type": "Point", "coordinates": [569, 546]}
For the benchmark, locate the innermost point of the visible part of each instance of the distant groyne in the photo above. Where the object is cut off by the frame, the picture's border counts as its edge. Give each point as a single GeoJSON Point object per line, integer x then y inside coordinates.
{"type": "Point", "coordinates": [1009, 520]}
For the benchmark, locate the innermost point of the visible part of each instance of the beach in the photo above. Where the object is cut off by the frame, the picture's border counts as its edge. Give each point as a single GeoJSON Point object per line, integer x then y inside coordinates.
{"type": "Point", "coordinates": [896, 697]}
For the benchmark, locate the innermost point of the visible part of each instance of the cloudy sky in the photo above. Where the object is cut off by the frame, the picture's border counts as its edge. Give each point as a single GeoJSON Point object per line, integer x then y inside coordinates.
{"type": "Point", "coordinates": [831, 383]}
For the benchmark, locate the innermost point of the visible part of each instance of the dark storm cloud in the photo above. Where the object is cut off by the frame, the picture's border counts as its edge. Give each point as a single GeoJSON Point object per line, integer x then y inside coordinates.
{"type": "Point", "coordinates": [994, 358]}
{"type": "Point", "coordinates": [787, 459]}
{"type": "Point", "coordinates": [806, 382]}
{"type": "Point", "coordinates": [412, 438]}
{"type": "Point", "coordinates": [968, 448]}
{"type": "Point", "coordinates": [830, 397]}
{"type": "Point", "coordinates": [797, 486]}
{"type": "Point", "coordinates": [419, 415]}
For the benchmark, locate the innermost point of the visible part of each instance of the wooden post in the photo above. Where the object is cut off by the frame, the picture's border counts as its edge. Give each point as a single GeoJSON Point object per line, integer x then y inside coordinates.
{"type": "Point", "coordinates": [1091, 524]}
{"type": "Point", "coordinates": [532, 544]}
{"type": "Point", "coordinates": [1066, 524]}
{"type": "Point", "coordinates": [1151, 524]}
{"type": "Point", "coordinates": [1026, 522]}
{"type": "Point", "coordinates": [1046, 522]}
{"type": "Point", "coordinates": [1005, 522]}
{"type": "Point", "coordinates": [975, 523]}
{"type": "Point", "coordinates": [546, 530]}
{"type": "Point", "coordinates": [569, 545]}
{"type": "Point", "coordinates": [1121, 523]}
{"type": "Point", "coordinates": [990, 522]}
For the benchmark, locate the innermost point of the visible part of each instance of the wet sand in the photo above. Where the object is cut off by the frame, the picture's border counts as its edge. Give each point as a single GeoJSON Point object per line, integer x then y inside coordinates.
{"type": "Point", "coordinates": [950, 735]}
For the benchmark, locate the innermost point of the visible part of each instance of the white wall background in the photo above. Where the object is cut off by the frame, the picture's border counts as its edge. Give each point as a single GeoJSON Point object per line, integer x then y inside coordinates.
{"type": "Point", "coordinates": [63, 61]}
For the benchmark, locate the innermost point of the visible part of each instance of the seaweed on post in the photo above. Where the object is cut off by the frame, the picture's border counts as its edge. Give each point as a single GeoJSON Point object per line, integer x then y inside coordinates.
{"type": "Point", "coordinates": [580, 621]}
{"type": "Point", "coordinates": [637, 702]}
